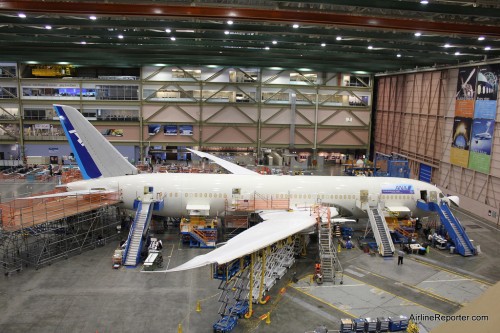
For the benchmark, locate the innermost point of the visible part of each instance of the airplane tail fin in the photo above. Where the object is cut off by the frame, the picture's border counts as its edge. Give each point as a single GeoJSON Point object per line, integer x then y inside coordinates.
{"type": "Point", "coordinates": [95, 155]}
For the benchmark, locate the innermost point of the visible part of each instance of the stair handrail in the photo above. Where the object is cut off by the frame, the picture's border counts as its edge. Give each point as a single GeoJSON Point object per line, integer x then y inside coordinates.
{"type": "Point", "coordinates": [200, 235]}
{"type": "Point", "coordinates": [149, 212]}
{"type": "Point", "coordinates": [371, 216]}
{"type": "Point", "coordinates": [460, 229]}
{"type": "Point", "coordinates": [386, 230]}
{"type": "Point", "coordinates": [131, 232]}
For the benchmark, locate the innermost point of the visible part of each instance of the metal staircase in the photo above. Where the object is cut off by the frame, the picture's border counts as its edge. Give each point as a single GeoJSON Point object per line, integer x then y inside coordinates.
{"type": "Point", "coordinates": [381, 231]}
{"type": "Point", "coordinates": [463, 245]}
{"type": "Point", "coordinates": [330, 264]}
{"type": "Point", "coordinates": [135, 238]}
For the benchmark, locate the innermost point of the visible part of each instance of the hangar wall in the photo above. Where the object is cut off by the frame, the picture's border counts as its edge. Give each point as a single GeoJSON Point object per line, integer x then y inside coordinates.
{"type": "Point", "coordinates": [207, 106]}
{"type": "Point", "coordinates": [415, 116]}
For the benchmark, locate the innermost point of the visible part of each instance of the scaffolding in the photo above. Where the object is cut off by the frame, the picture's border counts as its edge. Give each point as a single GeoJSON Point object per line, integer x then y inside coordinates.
{"type": "Point", "coordinates": [330, 263]}
{"type": "Point", "coordinates": [239, 214]}
{"type": "Point", "coordinates": [50, 229]}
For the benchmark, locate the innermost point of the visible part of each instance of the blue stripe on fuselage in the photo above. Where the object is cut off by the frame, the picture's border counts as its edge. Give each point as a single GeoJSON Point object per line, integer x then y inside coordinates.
{"type": "Point", "coordinates": [87, 165]}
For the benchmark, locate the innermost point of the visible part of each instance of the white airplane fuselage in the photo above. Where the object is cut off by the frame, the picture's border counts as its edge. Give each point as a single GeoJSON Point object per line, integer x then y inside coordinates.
{"type": "Point", "coordinates": [216, 190]}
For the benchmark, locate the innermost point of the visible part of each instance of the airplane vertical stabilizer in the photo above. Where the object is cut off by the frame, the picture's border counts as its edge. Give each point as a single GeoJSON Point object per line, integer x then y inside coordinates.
{"type": "Point", "coordinates": [95, 155]}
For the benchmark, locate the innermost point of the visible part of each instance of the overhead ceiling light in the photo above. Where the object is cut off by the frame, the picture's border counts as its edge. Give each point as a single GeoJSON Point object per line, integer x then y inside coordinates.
{"type": "Point", "coordinates": [185, 30]}
{"type": "Point", "coordinates": [83, 42]}
{"type": "Point", "coordinates": [418, 34]}
{"type": "Point", "coordinates": [21, 15]}
{"type": "Point", "coordinates": [424, 2]}
{"type": "Point", "coordinates": [295, 26]}
{"type": "Point", "coordinates": [229, 22]}
{"type": "Point", "coordinates": [338, 38]}
{"type": "Point", "coordinates": [172, 38]}
{"type": "Point", "coordinates": [275, 42]}
{"type": "Point", "coordinates": [120, 36]}
{"type": "Point", "coordinates": [63, 63]}
{"type": "Point", "coordinates": [480, 38]}
{"type": "Point", "coordinates": [447, 45]}
{"type": "Point", "coordinates": [370, 47]}
{"type": "Point", "coordinates": [323, 44]}
{"type": "Point", "coordinates": [267, 47]}
{"type": "Point", "coordinates": [226, 32]}
{"type": "Point", "coordinates": [398, 55]}
{"type": "Point", "coordinates": [457, 53]}
{"type": "Point", "coordinates": [168, 30]}
{"type": "Point", "coordinates": [93, 17]}
{"type": "Point", "coordinates": [48, 27]}
{"type": "Point", "coordinates": [487, 48]}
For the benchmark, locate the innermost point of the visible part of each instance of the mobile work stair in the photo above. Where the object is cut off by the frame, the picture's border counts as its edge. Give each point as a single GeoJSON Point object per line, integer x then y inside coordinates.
{"type": "Point", "coordinates": [457, 234]}
{"type": "Point", "coordinates": [204, 238]}
{"type": "Point", "coordinates": [381, 231]}
{"type": "Point", "coordinates": [138, 230]}
{"type": "Point", "coordinates": [330, 264]}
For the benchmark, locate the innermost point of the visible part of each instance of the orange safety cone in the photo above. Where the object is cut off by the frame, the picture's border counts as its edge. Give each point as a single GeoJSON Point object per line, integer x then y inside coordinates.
{"type": "Point", "coordinates": [179, 328]}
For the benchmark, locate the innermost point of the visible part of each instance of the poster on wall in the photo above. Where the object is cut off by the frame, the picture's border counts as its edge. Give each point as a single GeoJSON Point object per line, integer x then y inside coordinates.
{"type": "Point", "coordinates": [113, 132]}
{"type": "Point", "coordinates": [186, 129]}
{"type": "Point", "coordinates": [459, 154]}
{"type": "Point", "coordinates": [465, 93]}
{"type": "Point", "coordinates": [154, 129]}
{"type": "Point", "coordinates": [481, 144]}
{"type": "Point", "coordinates": [487, 91]}
{"type": "Point", "coordinates": [170, 129]}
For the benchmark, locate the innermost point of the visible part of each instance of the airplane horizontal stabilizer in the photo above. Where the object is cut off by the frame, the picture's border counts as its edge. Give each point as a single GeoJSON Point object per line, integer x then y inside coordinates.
{"type": "Point", "coordinates": [231, 167]}
{"type": "Point", "coordinates": [277, 225]}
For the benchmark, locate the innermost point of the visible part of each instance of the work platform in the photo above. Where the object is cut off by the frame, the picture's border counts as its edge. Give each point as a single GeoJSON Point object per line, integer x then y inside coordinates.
{"type": "Point", "coordinates": [38, 231]}
{"type": "Point", "coordinates": [22, 213]}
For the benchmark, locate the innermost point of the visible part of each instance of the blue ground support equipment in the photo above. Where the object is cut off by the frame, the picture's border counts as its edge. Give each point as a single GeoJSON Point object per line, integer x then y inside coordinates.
{"type": "Point", "coordinates": [455, 231]}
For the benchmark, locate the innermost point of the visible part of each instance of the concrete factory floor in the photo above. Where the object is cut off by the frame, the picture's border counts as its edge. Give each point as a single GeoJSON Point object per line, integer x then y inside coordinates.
{"type": "Point", "coordinates": [85, 294]}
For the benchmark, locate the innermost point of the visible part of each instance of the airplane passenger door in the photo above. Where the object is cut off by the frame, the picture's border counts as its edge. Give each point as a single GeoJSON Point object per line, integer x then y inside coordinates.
{"type": "Point", "coordinates": [433, 196]}
{"type": "Point", "coordinates": [363, 196]}
{"type": "Point", "coordinates": [373, 200]}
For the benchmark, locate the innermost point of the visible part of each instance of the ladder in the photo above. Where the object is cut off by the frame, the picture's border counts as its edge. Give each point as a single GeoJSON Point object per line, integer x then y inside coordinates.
{"type": "Point", "coordinates": [330, 264]}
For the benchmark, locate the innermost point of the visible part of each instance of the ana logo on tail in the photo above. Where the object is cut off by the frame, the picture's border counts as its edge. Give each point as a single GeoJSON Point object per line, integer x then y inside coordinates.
{"type": "Point", "coordinates": [77, 136]}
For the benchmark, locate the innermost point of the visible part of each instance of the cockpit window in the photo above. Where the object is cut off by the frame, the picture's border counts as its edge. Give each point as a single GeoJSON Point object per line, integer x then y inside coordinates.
{"type": "Point", "coordinates": [441, 195]}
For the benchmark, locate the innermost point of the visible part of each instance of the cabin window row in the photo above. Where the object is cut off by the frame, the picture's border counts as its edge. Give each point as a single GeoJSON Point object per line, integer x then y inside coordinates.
{"type": "Point", "coordinates": [293, 196]}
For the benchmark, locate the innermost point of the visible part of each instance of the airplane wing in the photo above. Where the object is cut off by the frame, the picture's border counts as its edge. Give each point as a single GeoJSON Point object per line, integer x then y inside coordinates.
{"type": "Point", "coordinates": [277, 225]}
{"type": "Point", "coordinates": [231, 167]}
{"type": "Point", "coordinates": [69, 194]}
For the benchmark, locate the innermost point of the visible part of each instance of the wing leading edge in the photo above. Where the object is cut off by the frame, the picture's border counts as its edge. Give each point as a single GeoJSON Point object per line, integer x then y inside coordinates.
{"type": "Point", "coordinates": [69, 194]}
{"type": "Point", "coordinates": [277, 225]}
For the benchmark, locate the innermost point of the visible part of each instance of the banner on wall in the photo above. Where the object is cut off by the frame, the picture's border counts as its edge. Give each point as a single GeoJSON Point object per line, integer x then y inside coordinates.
{"type": "Point", "coordinates": [170, 129]}
{"type": "Point", "coordinates": [481, 145]}
{"type": "Point", "coordinates": [154, 129]}
{"type": "Point", "coordinates": [460, 145]}
{"type": "Point", "coordinates": [487, 91]}
{"type": "Point", "coordinates": [465, 92]}
{"type": "Point", "coordinates": [186, 129]}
